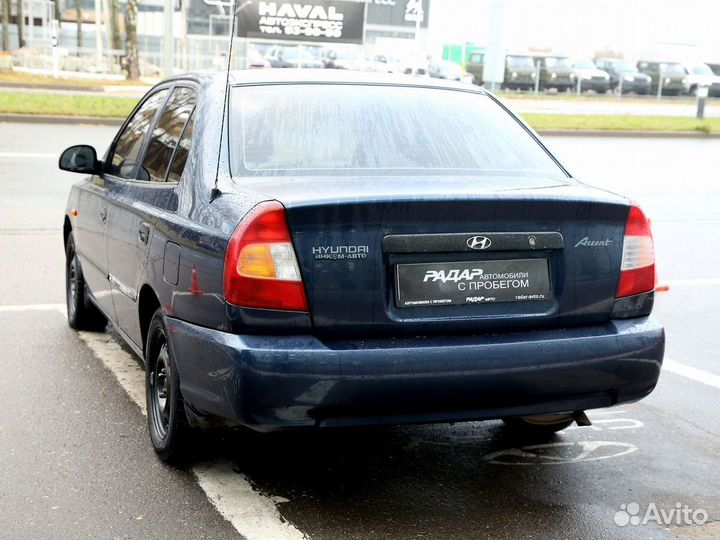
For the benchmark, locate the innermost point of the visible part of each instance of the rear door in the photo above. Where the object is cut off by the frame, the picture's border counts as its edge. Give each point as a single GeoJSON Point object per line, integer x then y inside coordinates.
{"type": "Point", "coordinates": [140, 190]}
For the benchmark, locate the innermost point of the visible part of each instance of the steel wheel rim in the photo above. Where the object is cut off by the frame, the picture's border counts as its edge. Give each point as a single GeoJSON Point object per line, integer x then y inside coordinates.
{"type": "Point", "coordinates": [72, 286]}
{"type": "Point", "coordinates": [160, 390]}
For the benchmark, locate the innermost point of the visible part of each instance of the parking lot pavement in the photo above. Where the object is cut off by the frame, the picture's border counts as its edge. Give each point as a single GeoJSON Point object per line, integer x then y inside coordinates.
{"type": "Point", "coordinates": [76, 461]}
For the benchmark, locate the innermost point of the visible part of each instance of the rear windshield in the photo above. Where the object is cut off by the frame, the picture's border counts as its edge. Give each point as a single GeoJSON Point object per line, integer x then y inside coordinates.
{"type": "Point", "coordinates": [377, 129]}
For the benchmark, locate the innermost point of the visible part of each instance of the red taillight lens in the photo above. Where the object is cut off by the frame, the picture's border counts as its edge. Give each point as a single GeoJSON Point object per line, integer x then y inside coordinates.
{"type": "Point", "coordinates": [637, 271]}
{"type": "Point", "coordinates": [261, 269]}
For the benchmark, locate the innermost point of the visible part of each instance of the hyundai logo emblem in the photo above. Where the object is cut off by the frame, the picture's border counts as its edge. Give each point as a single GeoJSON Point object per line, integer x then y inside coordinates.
{"type": "Point", "coordinates": [479, 242]}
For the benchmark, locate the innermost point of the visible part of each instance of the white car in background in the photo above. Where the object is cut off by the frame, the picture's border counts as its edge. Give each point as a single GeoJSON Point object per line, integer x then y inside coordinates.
{"type": "Point", "coordinates": [349, 58]}
{"type": "Point", "coordinates": [590, 77]}
{"type": "Point", "coordinates": [699, 76]}
{"type": "Point", "coordinates": [445, 69]}
{"type": "Point", "coordinates": [388, 64]}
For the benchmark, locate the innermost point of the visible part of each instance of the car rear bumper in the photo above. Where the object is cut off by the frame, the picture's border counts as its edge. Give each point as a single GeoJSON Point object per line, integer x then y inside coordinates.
{"type": "Point", "coordinates": [274, 382]}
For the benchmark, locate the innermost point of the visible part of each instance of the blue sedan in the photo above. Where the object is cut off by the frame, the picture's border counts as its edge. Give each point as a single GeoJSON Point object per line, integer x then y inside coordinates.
{"type": "Point", "coordinates": [302, 249]}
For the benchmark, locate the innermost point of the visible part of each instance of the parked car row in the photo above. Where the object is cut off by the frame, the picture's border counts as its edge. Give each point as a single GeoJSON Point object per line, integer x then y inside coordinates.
{"type": "Point", "coordinates": [523, 71]}
{"type": "Point", "coordinates": [343, 57]}
{"type": "Point", "coordinates": [601, 75]}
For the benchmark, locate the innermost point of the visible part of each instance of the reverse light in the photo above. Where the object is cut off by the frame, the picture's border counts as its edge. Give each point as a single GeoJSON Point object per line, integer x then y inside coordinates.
{"type": "Point", "coordinates": [637, 270]}
{"type": "Point", "coordinates": [261, 269]}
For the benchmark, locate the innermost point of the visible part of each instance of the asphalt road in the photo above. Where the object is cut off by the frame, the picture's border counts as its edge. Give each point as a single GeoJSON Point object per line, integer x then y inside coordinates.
{"type": "Point", "coordinates": [75, 460]}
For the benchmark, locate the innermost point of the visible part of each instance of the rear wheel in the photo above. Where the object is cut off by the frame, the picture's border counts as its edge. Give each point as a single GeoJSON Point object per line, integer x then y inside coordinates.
{"type": "Point", "coordinates": [546, 424]}
{"type": "Point", "coordinates": [167, 422]}
{"type": "Point", "coordinates": [81, 313]}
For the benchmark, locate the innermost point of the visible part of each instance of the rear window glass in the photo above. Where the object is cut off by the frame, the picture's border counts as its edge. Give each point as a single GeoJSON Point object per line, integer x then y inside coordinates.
{"type": "Point", "coordinates": [375, 129]}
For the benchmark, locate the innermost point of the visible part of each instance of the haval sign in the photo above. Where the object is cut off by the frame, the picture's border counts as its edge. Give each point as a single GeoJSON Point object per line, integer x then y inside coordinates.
{"type": "Point", "coordinates": [310, 20]}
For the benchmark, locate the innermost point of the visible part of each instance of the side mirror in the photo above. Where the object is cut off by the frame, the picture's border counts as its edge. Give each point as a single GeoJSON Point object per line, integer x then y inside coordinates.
{"type": "Point", "coordinates": [80, 159]}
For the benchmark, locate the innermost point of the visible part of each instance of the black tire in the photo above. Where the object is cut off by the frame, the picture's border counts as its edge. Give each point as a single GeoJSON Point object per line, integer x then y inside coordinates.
{"type": "Point", "coordinates": [81, 313]}
{"type": "Point", "coordinates": [167, 422]}
{"type": "Point", "coordinates": [538, 426]}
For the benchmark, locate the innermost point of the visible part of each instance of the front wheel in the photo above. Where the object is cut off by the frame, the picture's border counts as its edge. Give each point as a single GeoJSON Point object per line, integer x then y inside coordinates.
{"type": "Point", "coordinates": [167, 421]}
{"type": "Point", "coordinates": [542, 425]}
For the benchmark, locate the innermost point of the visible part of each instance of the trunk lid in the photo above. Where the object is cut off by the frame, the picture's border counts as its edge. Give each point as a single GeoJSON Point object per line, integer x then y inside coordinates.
{"type": "Point", "coordinates": [382, 256]}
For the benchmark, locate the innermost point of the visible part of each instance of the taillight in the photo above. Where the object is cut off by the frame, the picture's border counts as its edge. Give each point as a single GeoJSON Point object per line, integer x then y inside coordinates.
{"type": "Point", "coordinates": [261, 270]}
{"type": "Point", "coordinates": [637, 271]}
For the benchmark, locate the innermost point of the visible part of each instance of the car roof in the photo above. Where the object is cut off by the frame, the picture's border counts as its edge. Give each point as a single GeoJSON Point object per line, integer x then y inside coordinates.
{"type": "Point", "coordinates": [318, 76]}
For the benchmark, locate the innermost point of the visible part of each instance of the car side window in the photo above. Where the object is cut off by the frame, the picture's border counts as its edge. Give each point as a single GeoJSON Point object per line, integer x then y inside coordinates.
{"type": "Point", "coordinates": [181, 153]}
{"type": "Point", "coordinates": [124, 160]}
{"type": "Point", "coordinates": [167, 134]}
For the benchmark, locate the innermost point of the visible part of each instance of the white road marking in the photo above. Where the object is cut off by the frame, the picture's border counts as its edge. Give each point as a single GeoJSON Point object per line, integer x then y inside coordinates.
{"type": "Point", "coordinates": [27, 155]}
{"type": "Point", "coordinates": [33, 307]}
{"type": "Point", "coordinates": [689, 372]}
{"type": "Point", "coordinates": [254, 515]}
{"type": "Point", "coordinates": [560, 453]}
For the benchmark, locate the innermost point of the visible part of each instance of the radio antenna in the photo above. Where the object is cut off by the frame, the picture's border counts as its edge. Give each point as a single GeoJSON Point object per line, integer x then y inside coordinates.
{"type": "Point", "coordinates": [233, 15]}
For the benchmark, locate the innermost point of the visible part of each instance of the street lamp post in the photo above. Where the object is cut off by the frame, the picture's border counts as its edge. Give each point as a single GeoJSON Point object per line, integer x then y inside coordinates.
{"type": "Point", "coordinates": [702, 93]}
{"type": "Point", "coordinates": [419, 14]}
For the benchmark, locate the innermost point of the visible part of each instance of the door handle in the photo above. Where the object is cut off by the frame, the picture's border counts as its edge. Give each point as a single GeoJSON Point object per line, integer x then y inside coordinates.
{"type": "Point", "coordinates": [103, 214]}
{"type": "Point", "coordinates": [144, 233]}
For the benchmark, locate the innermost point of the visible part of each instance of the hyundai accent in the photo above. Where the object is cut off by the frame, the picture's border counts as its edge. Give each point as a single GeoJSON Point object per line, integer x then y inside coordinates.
{"type": "Point", "coordinates": [303, 249]}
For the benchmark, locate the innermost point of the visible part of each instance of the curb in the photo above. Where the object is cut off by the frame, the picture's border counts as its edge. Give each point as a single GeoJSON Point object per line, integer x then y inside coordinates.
{"type": "Point", "coordinates": [627, 134]}
{"type": "Point", "coordinates": [49, 86]}
{"type": "Point", "coordinates": [98, 121]}
{"type": "Point", "coordinates": [51, 119]}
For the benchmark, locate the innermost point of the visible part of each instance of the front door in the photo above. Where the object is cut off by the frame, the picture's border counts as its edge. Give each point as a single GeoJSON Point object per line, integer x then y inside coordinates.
{"type": "Point", "coordinates": [89, 230]}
